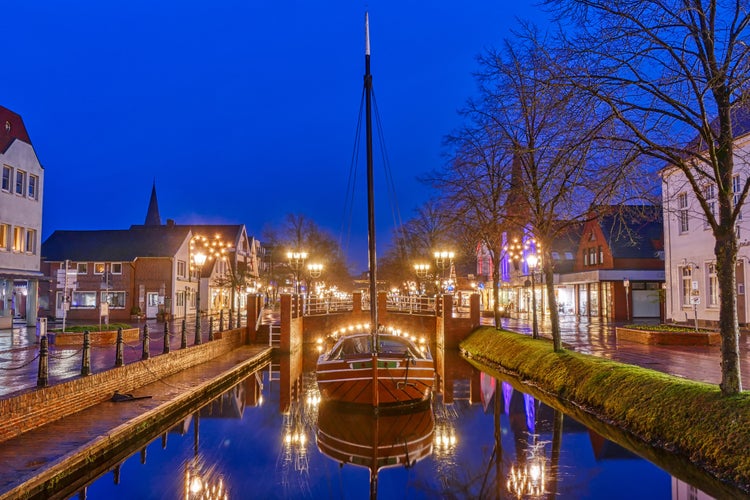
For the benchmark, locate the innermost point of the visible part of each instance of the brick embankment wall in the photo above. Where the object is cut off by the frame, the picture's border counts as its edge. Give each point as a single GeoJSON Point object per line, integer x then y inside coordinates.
{"type": "Point", "coordinates": [35, 408]}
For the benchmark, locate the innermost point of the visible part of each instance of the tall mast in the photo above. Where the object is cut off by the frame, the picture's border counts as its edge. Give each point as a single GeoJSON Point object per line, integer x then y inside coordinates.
{"type": "Point", "coordinates": [373, 264]}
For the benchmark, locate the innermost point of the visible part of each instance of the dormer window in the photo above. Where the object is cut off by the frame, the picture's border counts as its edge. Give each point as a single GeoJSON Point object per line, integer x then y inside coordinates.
{"type": "Point", "coordinates": [7, 127]}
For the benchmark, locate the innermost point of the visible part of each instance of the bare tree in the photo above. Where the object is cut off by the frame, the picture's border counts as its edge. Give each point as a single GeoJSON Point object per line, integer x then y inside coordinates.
{"type": "Point", "coordinates": [475, 184]}
{"type": "Point", "coordinates": [675, 74]}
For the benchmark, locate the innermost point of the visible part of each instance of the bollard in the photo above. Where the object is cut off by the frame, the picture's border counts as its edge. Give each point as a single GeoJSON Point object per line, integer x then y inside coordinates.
{"type": "Point", "coordinates": [231, 320]}
{"type": "Point", "coordinates": [118, 348]}
{"type": "Point", "coordinates": [86, 360]}
{"type": "Point", "coordinates": [197, 329]}
{"type": "Point", "coordinates": [145, 354]}
{"type": "Point", "coordinates": [166, 338]}
{"type": "Point", "coordinates": [221, 320]}
{"type": "Point", "coordinates": [210, 329]}
{"type": "Point", "coordinates": [183, 339]}
{"type": "Point", "coordinates": [42, 377]}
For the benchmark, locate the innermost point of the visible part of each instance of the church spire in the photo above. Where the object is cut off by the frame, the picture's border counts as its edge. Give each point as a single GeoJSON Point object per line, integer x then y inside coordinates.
{"type": "Point", "coordinates": [152, 215]}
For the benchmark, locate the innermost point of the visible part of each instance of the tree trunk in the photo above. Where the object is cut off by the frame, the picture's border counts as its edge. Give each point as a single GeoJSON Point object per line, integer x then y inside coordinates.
{"type": "Point", "coordinates": [726, 260]}
{"type": "Point", "coordinates": [496, 290]}
{"type": "Point", "coordinates": [554, 314]}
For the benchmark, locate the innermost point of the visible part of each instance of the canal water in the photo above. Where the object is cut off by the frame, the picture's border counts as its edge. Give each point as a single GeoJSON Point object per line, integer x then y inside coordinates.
{"type": "Point", "coordinates": [270, 437]}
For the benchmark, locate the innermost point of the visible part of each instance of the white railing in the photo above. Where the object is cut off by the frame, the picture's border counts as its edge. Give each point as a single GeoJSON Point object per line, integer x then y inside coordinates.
{"type": "Point", "coordinates": [322, 305]}
{"type": "Point", "coordinates": [412, 304]}
{"type": "Point", "coordinates": [274, 335]}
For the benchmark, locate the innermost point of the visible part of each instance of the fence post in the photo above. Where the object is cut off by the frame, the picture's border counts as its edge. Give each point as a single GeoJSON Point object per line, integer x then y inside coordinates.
{"type": "Point", "coordinates": [198, 328]}
{"type": "Point", "coordinates": [166, 338]}
{"type": "Point", "coordinates": [118, 348]}
{"type": "Point", "coordinates": [86, 360]}
{"type": "Point", "coordinates": [145, 354]}
{"type": "Point", "coordinates": [221, 320]}
{"type": "Point", "coordinates": [183, 336]}
{"type": "Point", "coordinates": [42, 377]}
{"type": "Point", "coordinates": [211, 328]}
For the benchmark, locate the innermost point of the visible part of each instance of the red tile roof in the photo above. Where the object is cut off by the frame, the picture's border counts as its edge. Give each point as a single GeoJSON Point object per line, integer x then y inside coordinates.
{"type": "Point", "coordinates": [11, 128]}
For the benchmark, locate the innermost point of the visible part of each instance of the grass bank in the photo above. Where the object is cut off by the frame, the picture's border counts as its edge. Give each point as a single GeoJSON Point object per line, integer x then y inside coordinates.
{"type": "Point", "coordinates": [688, 418]}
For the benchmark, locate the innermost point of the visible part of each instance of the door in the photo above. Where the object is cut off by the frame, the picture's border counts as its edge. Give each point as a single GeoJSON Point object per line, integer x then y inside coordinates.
{"type": "Point", "coordinates": [152, 304]}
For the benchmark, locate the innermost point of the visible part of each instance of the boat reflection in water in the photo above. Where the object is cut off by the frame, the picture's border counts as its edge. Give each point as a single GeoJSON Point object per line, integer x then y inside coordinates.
{"type": "Point", "coordinates": [363, 439]}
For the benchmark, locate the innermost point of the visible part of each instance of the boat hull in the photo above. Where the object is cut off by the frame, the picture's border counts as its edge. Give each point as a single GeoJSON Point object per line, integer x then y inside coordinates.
{"type": "Point", "coordinates": [395, 381]}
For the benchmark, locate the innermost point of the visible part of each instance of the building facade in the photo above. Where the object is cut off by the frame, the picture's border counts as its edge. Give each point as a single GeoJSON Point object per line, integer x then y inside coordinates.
{"type": "Point", "coordinates": [692, 293]}
{"type": "Point", "coordinates": [21, 200]}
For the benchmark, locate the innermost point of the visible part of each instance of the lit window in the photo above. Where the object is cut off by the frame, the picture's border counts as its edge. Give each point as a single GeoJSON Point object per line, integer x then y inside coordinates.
{"type": "Point", "coordinates": [83, 300]}
{"type": "Point", "coordinates": [4, 236]}
{"type": "Point", "coordinates": [99, 267]}
{"type": "Point", "coordinates": [17, 239]}
{"type": "Point", "coordinates": [116, 300]}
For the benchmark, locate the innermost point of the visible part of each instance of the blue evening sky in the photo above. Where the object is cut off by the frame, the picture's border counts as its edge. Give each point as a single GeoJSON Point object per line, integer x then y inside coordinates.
{"type": "Point", "coordinates": [242, 111]}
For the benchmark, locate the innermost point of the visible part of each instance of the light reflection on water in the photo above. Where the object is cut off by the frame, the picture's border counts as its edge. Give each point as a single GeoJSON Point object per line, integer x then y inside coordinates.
{"type": "Point", "coordinates": [261, 440]}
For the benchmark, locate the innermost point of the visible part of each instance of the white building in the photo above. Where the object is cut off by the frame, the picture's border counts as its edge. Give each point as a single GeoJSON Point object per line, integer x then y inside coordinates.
{"type": "Point", "coordinates": [20, 221]}
{"type": "Point", "coordinates": [692, 289]}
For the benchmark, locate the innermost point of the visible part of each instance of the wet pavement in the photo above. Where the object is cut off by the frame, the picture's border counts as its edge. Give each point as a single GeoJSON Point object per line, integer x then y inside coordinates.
{"type": "Point", "coordinates": [592, 336]}
{"type": "Point", "coordinates": [19, 352]}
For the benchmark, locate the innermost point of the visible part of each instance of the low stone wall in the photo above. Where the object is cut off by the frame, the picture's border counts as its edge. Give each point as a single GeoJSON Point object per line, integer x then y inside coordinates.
{"type": "Point", "coordinates": [37, 407]}
{"type": "Point", "coordinates": [108, 337]}
{"type": "Point", "coordinates": [667, 338]}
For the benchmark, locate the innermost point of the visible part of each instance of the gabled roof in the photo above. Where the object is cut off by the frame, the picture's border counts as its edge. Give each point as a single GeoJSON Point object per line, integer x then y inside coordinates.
{"type": "Point", "coordinates": [120, 245]}
{"type": "Point", "coordinates": [633, 231]}
{"type": "Point", "coordinates": [11, 128]}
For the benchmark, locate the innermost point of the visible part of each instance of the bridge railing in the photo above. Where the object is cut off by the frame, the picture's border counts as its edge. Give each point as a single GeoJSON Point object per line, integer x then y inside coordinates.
{"type": "Point", "coordinates": [412, 304]}
{"type": "Point", "coordinates": [322, 305]}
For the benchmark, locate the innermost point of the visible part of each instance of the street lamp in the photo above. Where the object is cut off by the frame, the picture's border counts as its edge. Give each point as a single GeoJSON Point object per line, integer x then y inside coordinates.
{"type": "Point", "coordinates": [443, 259]}
{"type": "Point", "coordinates": [199, 258]}
{"type": "Point", "coordinates": [296, 261]}
{"type": "Point", "coordinates": [532, 261]}
{"type": "Point", "coordinates": [421, 270]}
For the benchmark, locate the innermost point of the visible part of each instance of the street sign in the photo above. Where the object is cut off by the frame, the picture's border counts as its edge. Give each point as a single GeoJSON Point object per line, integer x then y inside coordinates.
{"type": "Point", "coordinates": [695, 300]}
{"type": "Point", "coordinates": [695, 284]}
{"type": "Point", "coordinates": [695, 293]}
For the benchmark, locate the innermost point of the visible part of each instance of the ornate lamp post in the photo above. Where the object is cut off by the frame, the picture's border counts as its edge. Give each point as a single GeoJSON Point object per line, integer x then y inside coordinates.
{"type": "Point", "coordinates": [533, 261]}
{"type": "Point", "coordinates": [296, 261]}
{"type": "Point", "coordinates": [421, 270]}
{"type": "Point", "coordinates": [443, 259]}
{"type": "Point", "coordinates": [199, 258]}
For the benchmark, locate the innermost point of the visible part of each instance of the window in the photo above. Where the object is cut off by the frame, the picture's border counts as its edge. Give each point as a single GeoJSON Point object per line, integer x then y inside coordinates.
{"type": "Point", "coordinates": [99, 267]}
{"type": "Point", "coordinates": [20, 182]}
{"type": "Point", "coordinates": [585, 257]}
{"type": "Point", "coordinates": [687, 285]}
{"type": "Point", "coordinates": [30, 241]}
{"type": "Point", "coordinates": [712, 286]}
{"type": "Point", "coordinates": [180, 299]}
{"type": "Point", "coordinates": [17, 239]}
{"type": "Point", "coordinates": [181, 269]}
{"type": "Point", "coordinates": [601, 255]}
{"type": "Point", "coordinates": [33, 187]}
{"type": "Point", "coordinates": [683, 212]}
{"type": "Point", "coordinates": [709, 193]}
{"type": "Point", "coordinates": [116, 268]}
{"type": "Point", "coordinates": [83, 300]}
{"type": "Point", "coordinates": [737, 190]}
{"type": "Point", "coordinates": [4, 237]}
{"type": "Point", "coordinates": [82, 268]}
{"type": "Point", "coordinates": [7, 174]}
{"type": "Point", "coordinates": [116, 300]}
{"type": "Point", "coordinates": [568, 255]}
{"type": "Point", "coordinates": [555, 256]}
{"type": "Point", "coordinates": [592, 258]}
